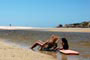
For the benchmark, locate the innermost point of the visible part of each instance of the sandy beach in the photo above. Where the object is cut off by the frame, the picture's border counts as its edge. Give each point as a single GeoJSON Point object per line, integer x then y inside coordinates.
{"type": "Point", "coordinates": [8, 52]}
{"type": "Point", "coordinates": [45, 29]}
{"type": "Point", "coordinates": [15, 41]}
{"type": "Point", "coordinates": [70, 30]}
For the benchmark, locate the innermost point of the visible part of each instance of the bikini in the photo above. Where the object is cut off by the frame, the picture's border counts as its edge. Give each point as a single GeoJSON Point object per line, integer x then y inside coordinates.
{"type": "Point", "coordinates": [49, 47]}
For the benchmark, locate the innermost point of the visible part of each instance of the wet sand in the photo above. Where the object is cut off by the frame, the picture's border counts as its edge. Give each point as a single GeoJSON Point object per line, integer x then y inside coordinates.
{"type": "Point", "coordinates": [24, 38]}
{"type": "Point", "coordinates": [8, 52]}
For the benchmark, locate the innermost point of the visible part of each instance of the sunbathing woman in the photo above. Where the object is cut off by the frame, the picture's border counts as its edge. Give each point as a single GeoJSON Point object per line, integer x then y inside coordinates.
{"type": "Point", "coordinates": [49, 45]}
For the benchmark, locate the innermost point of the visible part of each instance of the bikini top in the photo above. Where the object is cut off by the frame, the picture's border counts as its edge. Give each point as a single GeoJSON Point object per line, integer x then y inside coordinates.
{"type": "Point", "coordinates": [50, 45]}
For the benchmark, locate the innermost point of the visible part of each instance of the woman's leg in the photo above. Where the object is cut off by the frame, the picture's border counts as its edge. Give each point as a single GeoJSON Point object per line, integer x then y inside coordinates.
{"type": "Point", "coordinates": [40, 43]}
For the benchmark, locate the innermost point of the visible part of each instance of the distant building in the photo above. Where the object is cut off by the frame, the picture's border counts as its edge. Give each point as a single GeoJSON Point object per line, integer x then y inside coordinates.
{"type": "Point", "coordinates": [89, 24]}
{"type": "Point", "coordinates": [68, 25]}
{"type": "Point", "coordinates": [76, 25]}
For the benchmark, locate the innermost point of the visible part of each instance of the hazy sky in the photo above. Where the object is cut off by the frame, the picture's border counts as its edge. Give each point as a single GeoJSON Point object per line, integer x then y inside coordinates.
{"type": "Point", "coordinates": [43, 13]}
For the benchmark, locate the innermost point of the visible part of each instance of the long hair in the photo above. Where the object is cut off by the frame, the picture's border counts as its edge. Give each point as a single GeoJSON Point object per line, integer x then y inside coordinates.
{"type": "Point", "coordinates": [64, 40]}
{"type": "Point", "coordinates": [65, 46]}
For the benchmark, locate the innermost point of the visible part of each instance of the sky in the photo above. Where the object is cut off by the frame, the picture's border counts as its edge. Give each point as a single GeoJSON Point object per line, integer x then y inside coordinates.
{"type": "Point", "coordinates": [43, 13]}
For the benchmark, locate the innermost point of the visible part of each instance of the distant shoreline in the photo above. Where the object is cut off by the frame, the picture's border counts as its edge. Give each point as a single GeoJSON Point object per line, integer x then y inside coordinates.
{"type": "Point", "coordinates": [71, 30]}
{"type": "Point", "coordinates": [45, 29]}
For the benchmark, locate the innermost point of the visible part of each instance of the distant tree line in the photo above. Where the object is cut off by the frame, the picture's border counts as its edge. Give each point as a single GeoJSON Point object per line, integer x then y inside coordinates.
{"type": "Point", "coordinates": [76, 25]}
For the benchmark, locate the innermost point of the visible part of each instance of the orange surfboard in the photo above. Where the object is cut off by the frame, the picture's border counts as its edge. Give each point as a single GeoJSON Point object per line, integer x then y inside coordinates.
{"type": "Point", "coordinates": [69, 52]}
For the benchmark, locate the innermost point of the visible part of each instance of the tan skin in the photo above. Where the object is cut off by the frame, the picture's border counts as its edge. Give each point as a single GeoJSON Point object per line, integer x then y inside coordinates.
{"type": "Point", "coordinates": [53, 39]}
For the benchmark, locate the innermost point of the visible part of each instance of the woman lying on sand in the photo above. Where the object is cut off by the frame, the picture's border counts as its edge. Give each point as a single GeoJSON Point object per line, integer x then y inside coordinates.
{"type": "Point", "coordinates": [51, 44]}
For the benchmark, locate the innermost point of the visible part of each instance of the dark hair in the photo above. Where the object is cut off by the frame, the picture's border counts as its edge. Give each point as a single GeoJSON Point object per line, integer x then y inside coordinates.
{"type": "Point", "coordinates": [65, 46]}
{"type": "Point", "coordinates": [64, 40]}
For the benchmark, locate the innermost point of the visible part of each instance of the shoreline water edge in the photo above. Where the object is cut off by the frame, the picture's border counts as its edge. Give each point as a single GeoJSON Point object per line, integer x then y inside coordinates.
{"type": "Point", "coordinates": [45, 29]}
{"type": "Point", "coordinates": [8, 52]}
{"type": "Point", "coordinates": [28, 35]}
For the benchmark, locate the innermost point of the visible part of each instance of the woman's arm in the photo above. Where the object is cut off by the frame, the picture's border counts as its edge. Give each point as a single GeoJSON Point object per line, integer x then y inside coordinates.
{"type": "Point", "coordinates": [45, 43]}
{"type": "Point", "coordinates": [57, 48]}
{"type": "Point", "coordinates": [43, 46]}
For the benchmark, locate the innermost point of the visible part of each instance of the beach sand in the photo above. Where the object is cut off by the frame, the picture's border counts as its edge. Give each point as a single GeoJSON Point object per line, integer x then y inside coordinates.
{"type": "Point", "coordinates": [26, 36]}
{"type": "Point", "coordinates": [70, 30]}
{"type": "Point", "coordinates": [45, 29]}
{"type": "Point", "coordinates": [8, 52]}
